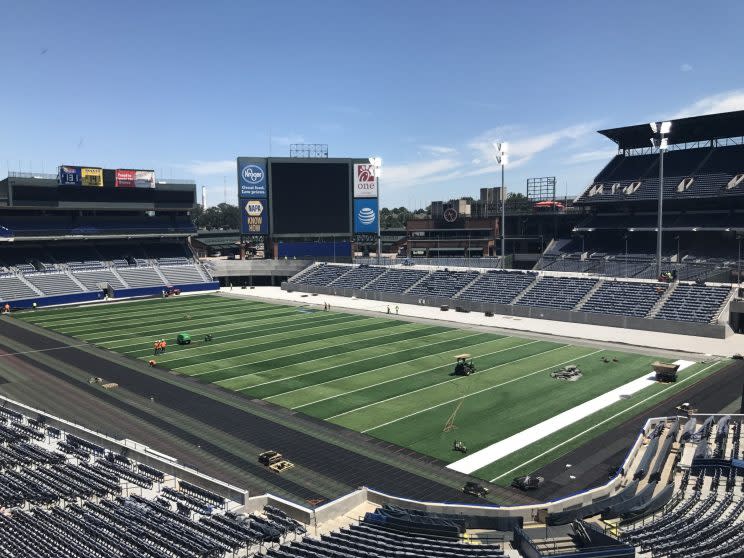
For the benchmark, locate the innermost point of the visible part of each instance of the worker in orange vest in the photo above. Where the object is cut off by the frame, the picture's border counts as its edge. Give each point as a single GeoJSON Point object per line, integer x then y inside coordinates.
{"type": "Point", "coordinates": [162, 346]}
{"type": "Point", "coordinates": [156, 347]}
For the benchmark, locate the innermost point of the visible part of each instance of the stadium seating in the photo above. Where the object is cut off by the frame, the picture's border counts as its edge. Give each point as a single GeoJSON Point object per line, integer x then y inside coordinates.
{"type": "Point", "coordinates": [557, 292]}
{"type": "Point", "coordinates": [694, 303]}
{"type": "Point", "coordinates": [64, 496]}
{"type": "Point", "coordinates": [500, 287]}
{"type": "Point", "coordinates": [93, 278]}
{"type": "Point", "coordinates": [12, 288]}
{"type": "Point", "coordinates": [444, 283]}
{"type": "Point", "coordinates": [53, 283]}
{"type": "Point", "coordinates": [323, 274]}
{"type": "Point", "coordinates": [624, 298]}
{"type": "Point", "coordinates": [396, 280]}
{"type": "Point", "coordinates": [136, 276]}
{"type": "Point", "coordinates": [376, 535]}
{"type": "Point", "coordinates": [181, 274]}
{"type": "Point", "coordinates": [358, 277]}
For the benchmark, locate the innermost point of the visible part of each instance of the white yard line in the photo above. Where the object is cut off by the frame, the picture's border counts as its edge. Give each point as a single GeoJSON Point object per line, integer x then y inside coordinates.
{"type": "Point", "coordinates": [240, 333]}
{"type": "Point", "coordinates": [485, 389]}
{"type": "Point", "coordinates": [385, 333]}
{"type": "Point", "coordinates": [605, 421]}
{"type": "Point", "coordinates": [398, 377]}
{"type": "Point", "coordinates": [442, 383]}
{"type": "Point", "coordinates": [361, 360]}
{"type": "Point", "coordinates": [329, 367]}
{"type": "Point", "coordinates": [522, 439]}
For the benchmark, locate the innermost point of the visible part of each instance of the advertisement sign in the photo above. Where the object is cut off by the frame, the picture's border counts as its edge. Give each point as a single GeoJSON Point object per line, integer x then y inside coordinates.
{"type": "Point", "coordinates": [255, 214]}
{"type": "Point", "coordinates": [69, 176]}
{"type": "Point", "coordinates": [365, 216]}
{"type": "Point", "coordinates": [252, 180]}
{"type": "Point", "coordinates": [124, 178]}
{"type": "Point", "coordinates": [91, 177]}
{"type": "Point", "coordinates": [144, 179]}
{"type": "Point", "coordinates": [365, 181]}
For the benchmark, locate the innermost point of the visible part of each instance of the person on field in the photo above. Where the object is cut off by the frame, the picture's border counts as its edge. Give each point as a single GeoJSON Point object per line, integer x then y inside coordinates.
{"type": "Point", "coordinates": [396, 309]}
{"type": "Point", "coordinates": [6, 308]}
{"type": "Point", "coordinates": [156, 347]}
{"type": "Point", "coordinates": [388, 309]}
{"type": "Point", "coordinates": [163, 345]}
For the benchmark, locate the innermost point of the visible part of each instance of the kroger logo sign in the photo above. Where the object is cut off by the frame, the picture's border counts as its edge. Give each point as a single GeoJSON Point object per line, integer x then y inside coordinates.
{"type": "Point", "coordinates": [253, 174]}
{"type": "Point", "coordinates": [366, 216]}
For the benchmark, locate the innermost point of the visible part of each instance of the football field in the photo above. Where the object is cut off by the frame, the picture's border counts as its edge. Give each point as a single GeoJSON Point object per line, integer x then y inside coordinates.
{"type": "Point", "coordinates": [380, 375]}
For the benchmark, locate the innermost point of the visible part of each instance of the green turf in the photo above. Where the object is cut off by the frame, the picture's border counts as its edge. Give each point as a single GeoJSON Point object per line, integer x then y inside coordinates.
{"type": "Point", "coordinates": [383, 376]}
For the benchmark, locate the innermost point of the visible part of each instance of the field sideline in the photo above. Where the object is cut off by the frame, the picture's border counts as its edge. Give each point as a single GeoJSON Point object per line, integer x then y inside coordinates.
{"type": "Point", "coordinates": [386, 377]}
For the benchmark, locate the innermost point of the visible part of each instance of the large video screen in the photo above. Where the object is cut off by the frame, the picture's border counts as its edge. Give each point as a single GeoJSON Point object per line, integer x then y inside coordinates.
{"type": "Point", "coordinates": [310, 198]}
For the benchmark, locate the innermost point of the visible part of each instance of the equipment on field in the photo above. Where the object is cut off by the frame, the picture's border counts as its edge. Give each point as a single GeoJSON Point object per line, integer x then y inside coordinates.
{"type": "Point", "coordinates": [269, 457]}
{"type": "Point", "coordinates": [475, 489]}
{"type": "Point", "coordinates": [183, 338]}
{"type": "Point", "coordinates": [208, 337]}
{"type": "Point", "coordinates": [102, 383]}
{"type": "Point", "coordinates": [569, 373]}
{"type": "Point", "coordinates": [665, 372]}
{"type": "Point", "coordinates": [172, 291]}
{"type": "Point", "coordinates": [527, 482]}
{"type": "Point", "coordinates": [460, 446]}
{"type": "Point", "coordinates": [463, 366]}
{"type": "Point", "coordinates": [281, 466]}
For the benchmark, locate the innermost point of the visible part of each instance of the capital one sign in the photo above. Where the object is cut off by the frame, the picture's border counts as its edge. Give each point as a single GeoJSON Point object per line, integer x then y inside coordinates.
{"type": "Point", "coordinates": [365, 181]}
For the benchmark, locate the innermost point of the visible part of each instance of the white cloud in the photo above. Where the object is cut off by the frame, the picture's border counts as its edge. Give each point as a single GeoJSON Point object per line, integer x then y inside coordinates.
{"type": "Point", "coordinates": [721, 102]}
{"type": "Point", "coordinates": [287, 140]}
{"type": "Point", "coordinates": [589, 156]}
{"type": "Point", "coordinates": [524, 148]}
{"type": "Point", "coordinates": [438, 149]}
{"type": "Point", "coordinates": [205, 168]}
{"type": "Point", "coordinates": [420, 172]}
{"type": "Point", "coordinates": [685, 68]}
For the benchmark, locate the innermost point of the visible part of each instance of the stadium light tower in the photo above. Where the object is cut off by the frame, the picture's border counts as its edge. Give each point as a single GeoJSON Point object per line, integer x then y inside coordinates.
{"type": "Point", "coordinates": [376, 163]}
{"type": "Point", "coordinates": [502, 158]}
{"type": "Point", "coordinates": [660, 141]}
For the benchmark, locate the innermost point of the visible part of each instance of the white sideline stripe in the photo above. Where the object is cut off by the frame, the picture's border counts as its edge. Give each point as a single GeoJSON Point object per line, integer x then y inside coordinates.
{"type": "Point", "coordinates": [522, 439]}
{"type": "Point", "coordinates": [399, 377]}
{"type": "Point", "coordinates": [385, 334]}
{"type": "Point", "coordinates": [240, 333]}
{"type": "Point", "coordinates": [594, 426]}
{"type": "Point", "coordinates": [441, 384]}
{"type": "Point", "coordinates": [356, 361]}
{"type": "Point", "coordinates": [327, 367]}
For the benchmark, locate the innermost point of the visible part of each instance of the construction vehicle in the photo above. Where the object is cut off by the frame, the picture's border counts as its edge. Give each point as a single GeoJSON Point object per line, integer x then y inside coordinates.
{"type": "Point", "coordinates": [570, 372]}
{"type": "Point", "coordinates": [269, 458]}
{"type": "Point", "coordinates": [475, 489]}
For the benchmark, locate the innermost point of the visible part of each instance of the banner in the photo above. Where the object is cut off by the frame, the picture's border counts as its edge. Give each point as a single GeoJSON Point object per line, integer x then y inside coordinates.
{"type": "Point", "coordinates": [251, 180]}
{"type": "Point", "coordinates": [365, 216]}
{"type": "Point", "coordinates": [365, 181]}
{"type": "Point", "coordinates": [144, 179]}
{"type": "Point", "coordinates": [69, 176]}
{"type": "Point", "coordinates": [255, 218]}
{"type": "Point", "coordinates": [125, 178]}
{"type": "Point", "coordinates": [92, 177]}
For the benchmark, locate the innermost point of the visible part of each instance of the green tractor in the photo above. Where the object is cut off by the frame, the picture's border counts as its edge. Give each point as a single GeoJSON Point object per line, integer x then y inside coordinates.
{"type": "Point", "coordinates": [183, 339]}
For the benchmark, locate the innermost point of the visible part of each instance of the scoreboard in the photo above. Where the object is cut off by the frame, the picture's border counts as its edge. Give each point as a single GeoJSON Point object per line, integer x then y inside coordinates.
{"type": "Point", "coordinates": [307, 198]}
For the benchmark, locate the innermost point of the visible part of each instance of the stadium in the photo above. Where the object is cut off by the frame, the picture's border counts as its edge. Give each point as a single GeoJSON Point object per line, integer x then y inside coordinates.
{"type": "Point", "coordinates": [315, 395]}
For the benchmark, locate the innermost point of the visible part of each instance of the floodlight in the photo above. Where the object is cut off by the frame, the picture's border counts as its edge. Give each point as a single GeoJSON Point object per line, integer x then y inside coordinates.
{"type": "Point", "coordinates": [654, 127]}
{"type": "Point", "coordinates": [666, 127]}
{"type": "Point", "coordinates": [664, 143]}
{"type": "Point", "coordinates": [504, 147]}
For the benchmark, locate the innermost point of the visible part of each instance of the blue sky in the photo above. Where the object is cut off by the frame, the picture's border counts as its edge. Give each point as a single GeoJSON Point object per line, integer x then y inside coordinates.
{"type": "Point", "coordinates": [185, 87]}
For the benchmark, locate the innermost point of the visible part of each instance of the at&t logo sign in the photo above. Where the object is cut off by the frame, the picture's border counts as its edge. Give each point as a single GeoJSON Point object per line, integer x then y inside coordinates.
{"type": "Point", "coordinates": [366, 216]}
{"type": "Point", "coordinates": [253, 174]}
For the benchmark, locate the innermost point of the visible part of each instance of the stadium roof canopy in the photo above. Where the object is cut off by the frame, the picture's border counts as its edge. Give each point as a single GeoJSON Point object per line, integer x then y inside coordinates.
{"type": "Point", "coordinates": [684, 130]}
